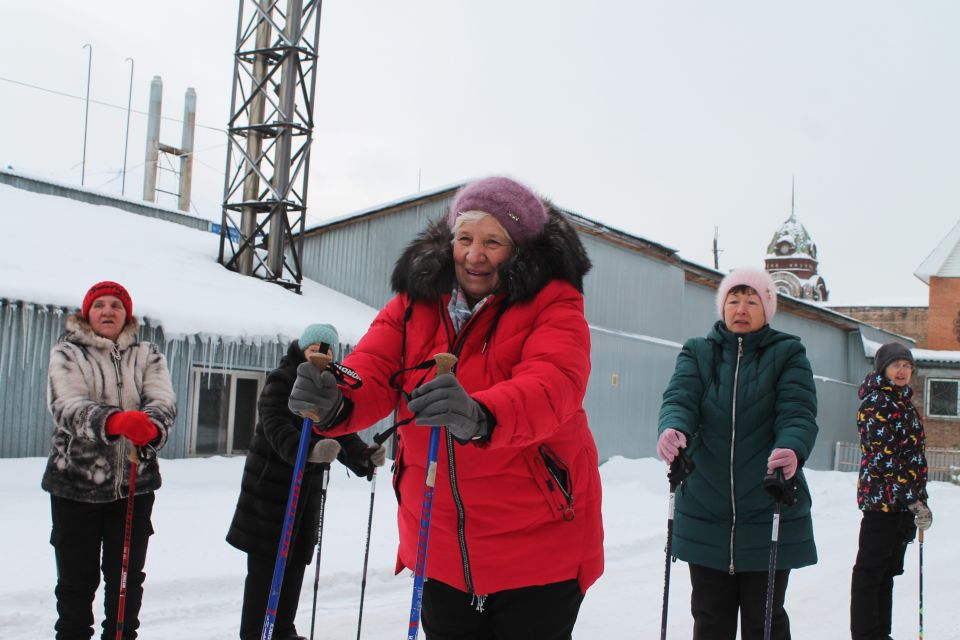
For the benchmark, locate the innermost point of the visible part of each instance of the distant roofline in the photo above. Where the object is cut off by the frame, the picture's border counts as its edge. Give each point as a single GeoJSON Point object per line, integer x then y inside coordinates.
{"type": "Point", "coordinates": [384, 208]}
{"type": "Point", "coordinates": [693, 271]}
{"type": "Point", "coordinates": [39, 184]}
{"type": "Point", "coordinates": [931, 266]}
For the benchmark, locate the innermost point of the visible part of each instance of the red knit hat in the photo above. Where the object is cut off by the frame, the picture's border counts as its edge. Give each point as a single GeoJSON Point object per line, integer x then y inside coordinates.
{"type": "Point", "coordinates": [107, 288]}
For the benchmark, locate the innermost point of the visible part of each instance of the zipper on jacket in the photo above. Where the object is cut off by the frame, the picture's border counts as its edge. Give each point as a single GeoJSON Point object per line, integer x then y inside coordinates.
{"type": "Point", "coordinates": [461, 514]}
{"type": "Point", "coordinates": [115, 357]}
{"type": "Point", "coordinates": [733, 442]}
{"type": "Point", "coordinates": [455, 344]}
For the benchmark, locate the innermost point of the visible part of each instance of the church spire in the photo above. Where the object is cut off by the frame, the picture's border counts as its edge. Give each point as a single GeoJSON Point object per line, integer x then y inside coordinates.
{"type": "Point", "coordinates": [793, 190]}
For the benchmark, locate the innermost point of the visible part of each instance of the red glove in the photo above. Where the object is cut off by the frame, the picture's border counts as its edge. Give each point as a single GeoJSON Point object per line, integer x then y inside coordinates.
{"type": "Point", "coordinates": [135, 426]}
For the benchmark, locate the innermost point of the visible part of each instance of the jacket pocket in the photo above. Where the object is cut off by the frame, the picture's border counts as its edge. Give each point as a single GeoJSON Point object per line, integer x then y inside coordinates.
{"type": "Point", "coordinates": [554, 480]}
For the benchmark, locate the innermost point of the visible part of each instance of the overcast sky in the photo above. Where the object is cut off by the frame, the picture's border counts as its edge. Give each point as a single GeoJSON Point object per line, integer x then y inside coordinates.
{"type": "Point", "coordinates": [665, 119]}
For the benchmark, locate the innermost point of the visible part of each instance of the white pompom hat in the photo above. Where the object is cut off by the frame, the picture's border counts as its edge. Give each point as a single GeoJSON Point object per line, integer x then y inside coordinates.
{"type": "Point", "coordinates": [758, 280]}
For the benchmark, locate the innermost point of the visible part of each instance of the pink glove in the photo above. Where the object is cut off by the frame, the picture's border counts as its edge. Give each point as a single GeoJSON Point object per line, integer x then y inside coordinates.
{"type": "Point", "coordinates": [670, 442]}
{"type": "Point", "coordinates": [784, 459]}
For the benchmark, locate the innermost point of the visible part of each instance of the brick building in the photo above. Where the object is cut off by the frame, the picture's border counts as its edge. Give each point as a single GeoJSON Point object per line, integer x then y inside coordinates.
{"type": "Point", "coordinates": [903, 320]}
{"type": "Point", "coordinates": [937, 381]}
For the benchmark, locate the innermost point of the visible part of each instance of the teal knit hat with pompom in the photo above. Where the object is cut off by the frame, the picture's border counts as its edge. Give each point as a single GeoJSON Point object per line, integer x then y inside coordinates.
{"type": "Point", "coordinates": [317, 333]}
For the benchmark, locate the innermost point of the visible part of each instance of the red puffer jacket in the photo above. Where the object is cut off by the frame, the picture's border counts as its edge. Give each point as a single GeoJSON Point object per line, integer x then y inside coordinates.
{"type": "Point", "coordinates": [524, 508]}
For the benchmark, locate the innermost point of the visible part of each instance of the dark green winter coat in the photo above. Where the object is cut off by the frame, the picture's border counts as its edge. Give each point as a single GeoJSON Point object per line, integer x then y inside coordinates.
{"type": "Point", "coordinates": [762, 399]}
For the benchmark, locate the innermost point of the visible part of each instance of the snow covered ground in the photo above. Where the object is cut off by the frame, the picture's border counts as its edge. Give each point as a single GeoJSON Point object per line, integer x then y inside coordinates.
{"type": "Point", "coordinates": [195, 580]}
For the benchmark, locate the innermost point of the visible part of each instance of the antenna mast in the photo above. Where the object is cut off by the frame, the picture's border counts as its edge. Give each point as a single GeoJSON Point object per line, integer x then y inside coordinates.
{"type": "Point", "coordinates": [270, 136]}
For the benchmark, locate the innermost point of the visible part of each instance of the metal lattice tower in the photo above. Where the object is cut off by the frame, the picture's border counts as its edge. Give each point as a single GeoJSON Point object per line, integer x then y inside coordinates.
{"type": "Point", "coordinates": [270, 131]}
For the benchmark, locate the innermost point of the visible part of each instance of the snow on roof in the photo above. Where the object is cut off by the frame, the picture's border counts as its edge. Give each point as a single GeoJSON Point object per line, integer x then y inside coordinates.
{"type": "Point", "coordinates": [944, 260]}
{"type": "Point", "coordinates": [67, 186]}
{"type": "Point", "coordinates": [920, 355]}
{"type": "Point", "coordinates": [930, 355]}
{"type": "Point", "coordinates": [55, 248]}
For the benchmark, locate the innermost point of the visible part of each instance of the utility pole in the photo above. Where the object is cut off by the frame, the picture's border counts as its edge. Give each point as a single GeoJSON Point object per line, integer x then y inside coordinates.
{"type": "Point", "coordinates": [716, 248]}
{"type": "Point", "coordinates": [126, 136]}
{"type": "Point", "coordinates": [86, 114]}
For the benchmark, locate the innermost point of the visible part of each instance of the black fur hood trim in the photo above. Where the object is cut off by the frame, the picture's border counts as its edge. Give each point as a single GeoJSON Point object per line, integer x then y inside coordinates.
{"type": "Point", "coordinates": [425, 269]}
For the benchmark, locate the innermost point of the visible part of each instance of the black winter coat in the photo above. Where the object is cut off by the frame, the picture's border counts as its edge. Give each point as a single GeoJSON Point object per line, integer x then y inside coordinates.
{"type": "Point", "coordinates": [265, 487]}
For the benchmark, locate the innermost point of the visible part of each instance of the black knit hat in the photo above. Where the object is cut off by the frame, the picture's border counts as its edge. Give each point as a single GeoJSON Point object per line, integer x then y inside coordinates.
{"type": "Point", "coordinates": [888, 353]}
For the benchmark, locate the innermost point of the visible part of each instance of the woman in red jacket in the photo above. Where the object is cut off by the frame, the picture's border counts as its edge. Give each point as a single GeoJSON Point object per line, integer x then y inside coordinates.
{"type": "Point", "coordinates": [516, 536]}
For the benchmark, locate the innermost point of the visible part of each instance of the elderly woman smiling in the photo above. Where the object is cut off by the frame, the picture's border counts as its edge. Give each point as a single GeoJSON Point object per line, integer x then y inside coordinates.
{"type": "Point", "coordinates": [516, 534]}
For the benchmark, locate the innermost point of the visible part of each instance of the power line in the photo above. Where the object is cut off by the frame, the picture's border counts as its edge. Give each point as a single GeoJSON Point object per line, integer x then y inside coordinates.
{"type": "Point", "coordinates": [101, 103]}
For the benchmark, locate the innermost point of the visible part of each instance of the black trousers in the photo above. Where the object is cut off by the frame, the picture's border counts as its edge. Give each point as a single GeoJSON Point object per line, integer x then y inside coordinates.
{"type": "Point", "coordinates": [87, 538]}
{"type": "Point", "coordinates": [718, 596]}
{"type": "Point", "coordinates": [883, 543]}
{"type": "Point", "coordinates": [546, 612]}
{"type": "Point", "coordinates": [256, 593]}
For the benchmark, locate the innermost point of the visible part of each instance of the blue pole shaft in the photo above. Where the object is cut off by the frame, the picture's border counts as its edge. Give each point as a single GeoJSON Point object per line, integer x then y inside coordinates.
{"type": "Point", "coordinates": [283, 549]}
{"type": "Point", "coordinates": [426, 509]}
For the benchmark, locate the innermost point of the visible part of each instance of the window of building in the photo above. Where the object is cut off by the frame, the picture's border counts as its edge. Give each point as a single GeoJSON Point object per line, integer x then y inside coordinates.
{"type": "Point", "coordinates": [224, 410]}
{"type": "Point", "coordinates": [943, 399]}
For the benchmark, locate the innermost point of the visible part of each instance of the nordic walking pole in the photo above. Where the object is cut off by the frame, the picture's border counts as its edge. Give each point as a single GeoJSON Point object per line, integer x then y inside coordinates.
{"type": "Point", "coordinates": [445, 362]}
{"type": "Point", "coordinates": [782, 492]}
{"type": "Point", "coordinates": [920, 538]}
{"type": "Point", "coordinates": [379, 440]}
{"type": "Point", "coordinates": [283, 549]}
{"type": "Point", "coordinates": [324, 480]}
{"type": "Point", "coordinates": [681, 467]}
{"type": "Point", "coordinates": [127, 534]}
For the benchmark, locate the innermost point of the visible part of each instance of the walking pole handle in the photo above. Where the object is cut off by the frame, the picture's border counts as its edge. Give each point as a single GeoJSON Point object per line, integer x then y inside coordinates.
{"type": "Point", "coordinates": [445, 362]}
{"type": "Point", "coordinates": [680, 469]}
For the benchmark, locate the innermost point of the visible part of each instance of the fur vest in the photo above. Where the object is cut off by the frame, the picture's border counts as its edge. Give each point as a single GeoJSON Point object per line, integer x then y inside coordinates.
{"type": "Point", "coordinates": [90, 378]}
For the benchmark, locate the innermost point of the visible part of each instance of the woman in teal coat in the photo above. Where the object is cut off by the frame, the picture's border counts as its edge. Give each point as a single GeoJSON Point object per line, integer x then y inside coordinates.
{"type": "Point", "coordinates": [743, 403]}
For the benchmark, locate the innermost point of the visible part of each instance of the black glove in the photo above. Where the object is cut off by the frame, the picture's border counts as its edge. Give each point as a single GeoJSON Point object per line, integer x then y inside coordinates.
{"type": "Point", "coordinates": [443, 402]}
{"type": "Point", "coordinates": [315, 395]}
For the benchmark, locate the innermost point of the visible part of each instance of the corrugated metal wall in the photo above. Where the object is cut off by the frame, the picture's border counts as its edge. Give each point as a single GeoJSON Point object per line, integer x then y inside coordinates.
{"type": "Point", "coordinates": [628, 291]}
{"type": "Point", "coordinates": [357, 259]}
{"type": "Point", "coordinates": [27, 332]}
{"type": "Point", "coordinates": [640, 309]}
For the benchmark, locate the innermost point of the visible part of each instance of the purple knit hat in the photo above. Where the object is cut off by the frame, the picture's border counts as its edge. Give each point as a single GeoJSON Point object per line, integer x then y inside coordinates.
{"type": "Point", "coordinates": [514, 206]}
{"type": "Point", "coordinates": [758, 280]}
